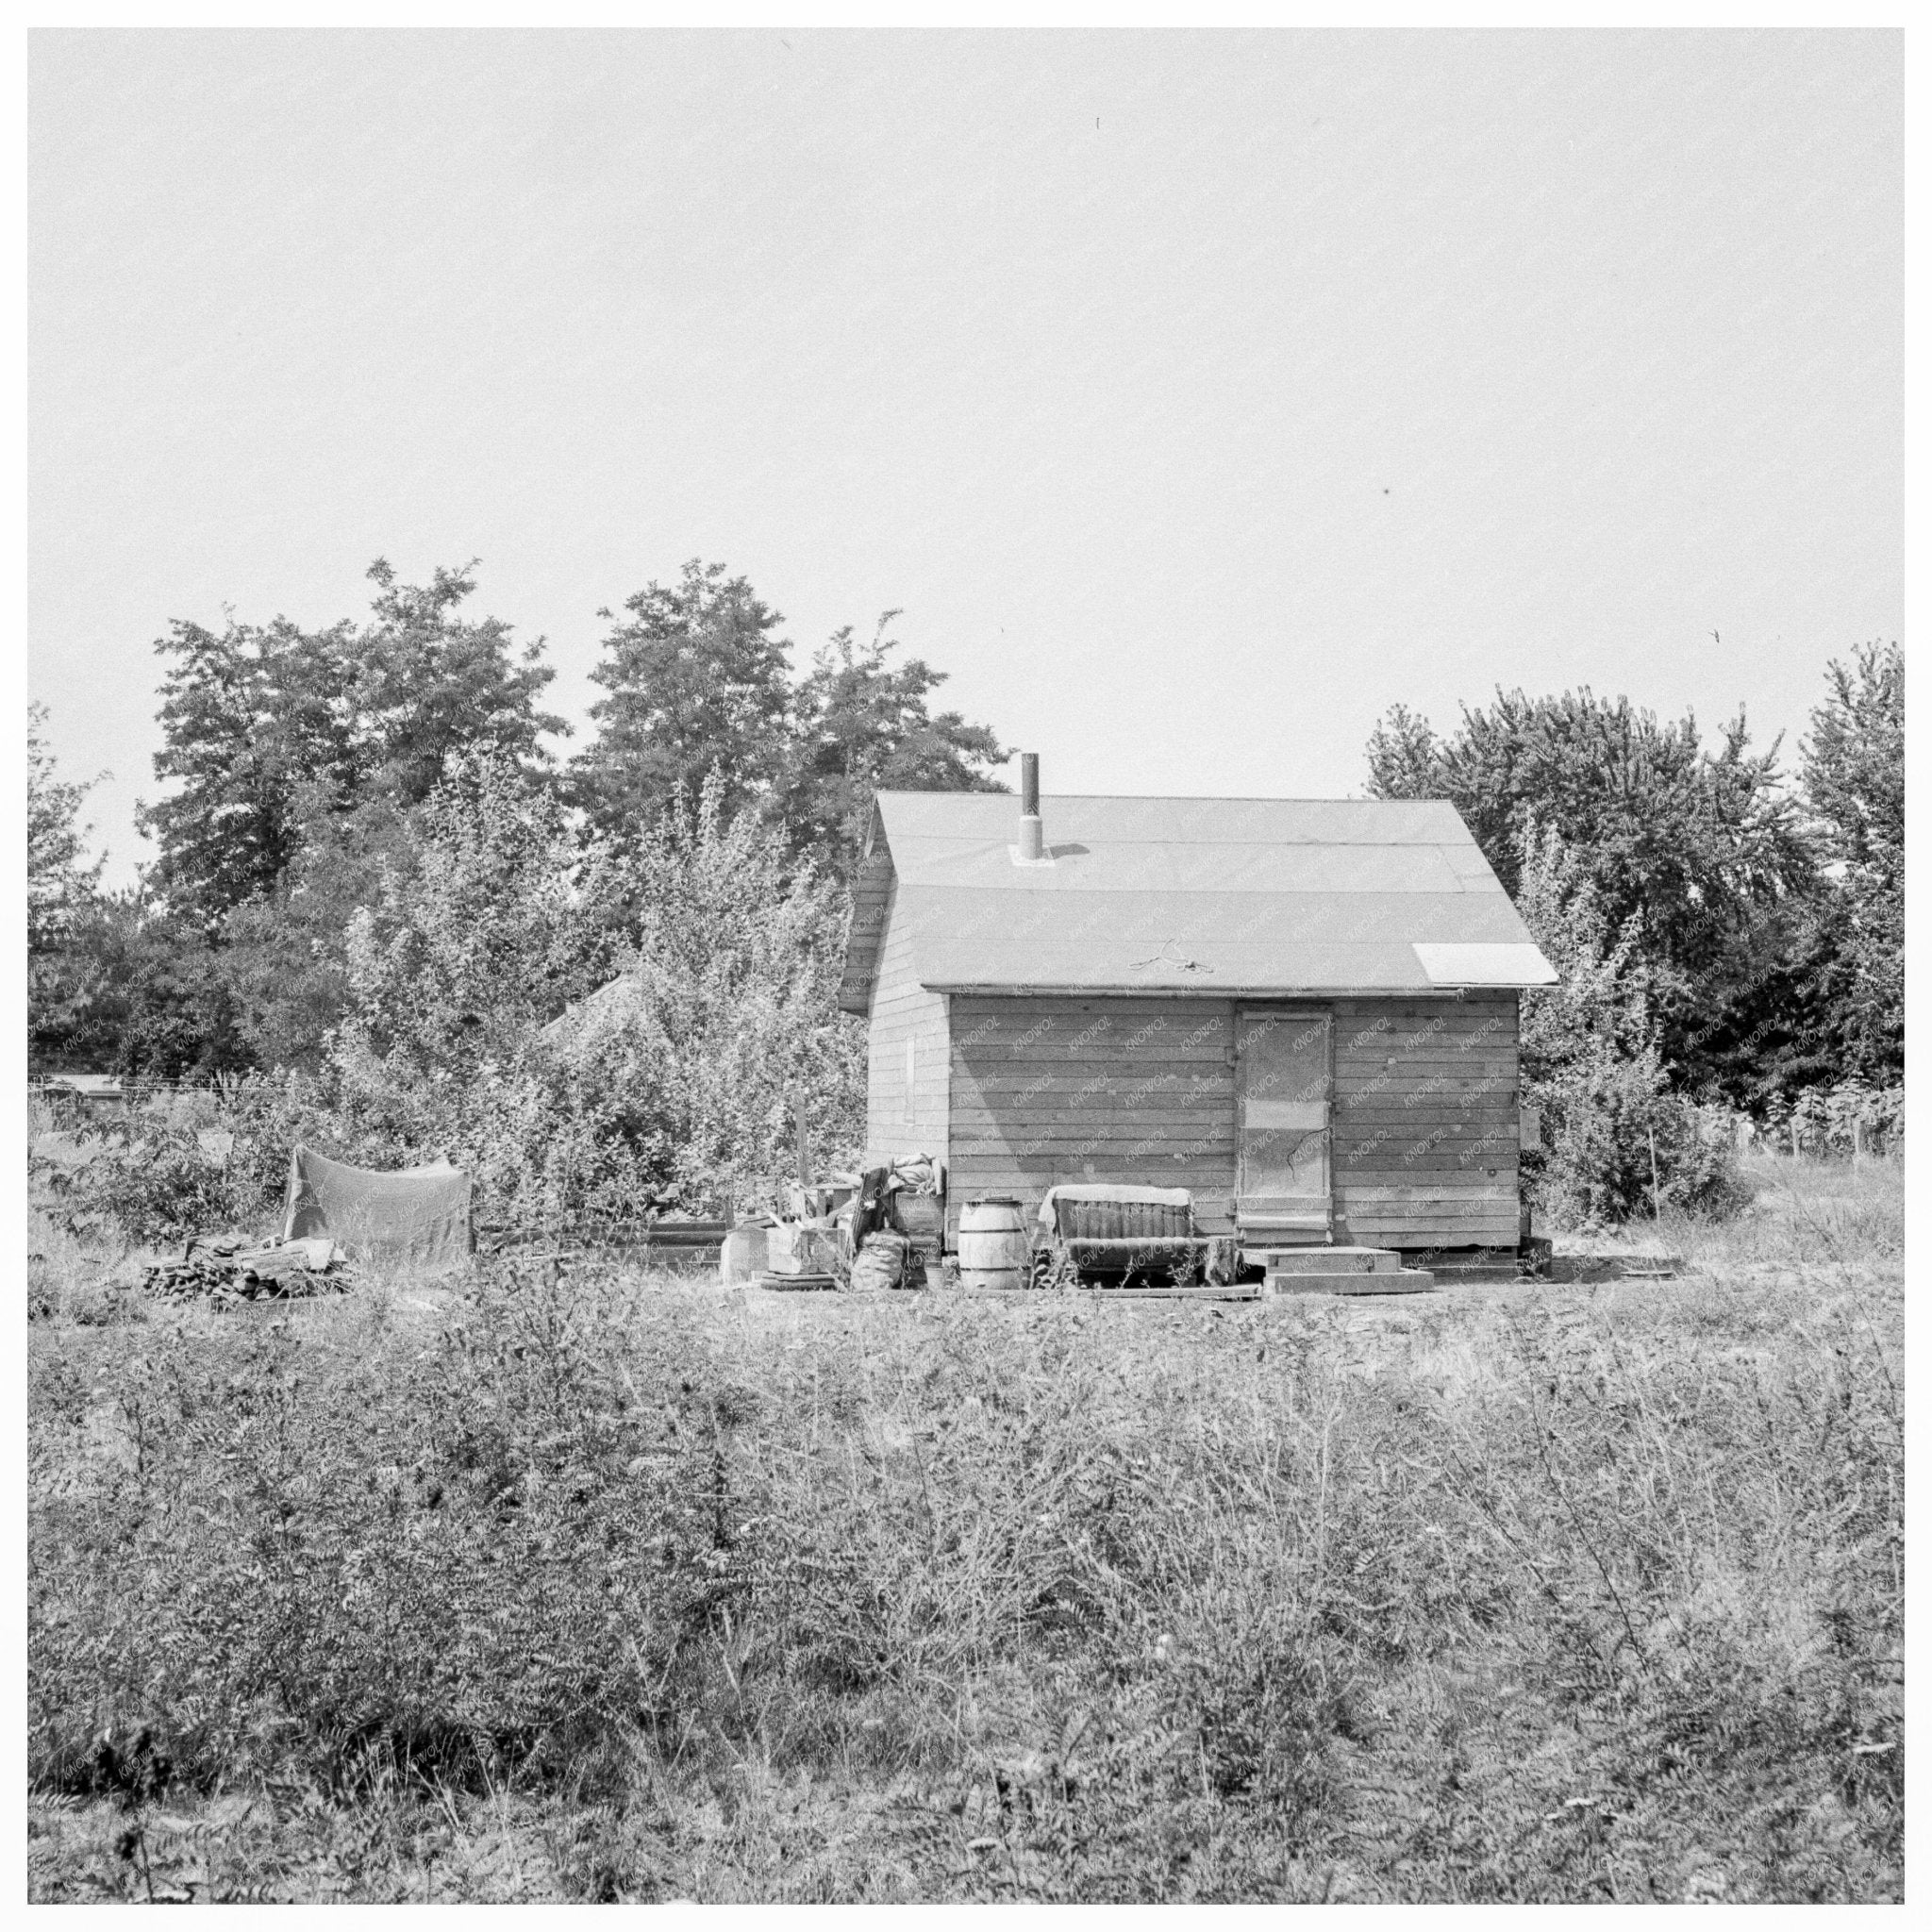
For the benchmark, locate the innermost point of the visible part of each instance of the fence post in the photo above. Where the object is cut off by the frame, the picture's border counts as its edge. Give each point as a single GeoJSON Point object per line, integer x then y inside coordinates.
{"type": "Point", "coordinates": [1794, 1137]}
{"type": "Point", "coordinates": [1858, 1138]}
{"type": "Point", "coordinates": [796, 1097]}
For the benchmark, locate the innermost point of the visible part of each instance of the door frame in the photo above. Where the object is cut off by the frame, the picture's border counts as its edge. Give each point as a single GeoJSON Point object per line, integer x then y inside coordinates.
{"type": "Point", "coordinates": [1248, 1010]}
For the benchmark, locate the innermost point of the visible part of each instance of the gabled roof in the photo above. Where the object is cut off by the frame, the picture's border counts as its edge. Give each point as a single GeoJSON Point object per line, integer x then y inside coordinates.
{"type": "Point", "coordinates": [609, 1005]}
{"type": "Point", "coordinates": [1233, 895]}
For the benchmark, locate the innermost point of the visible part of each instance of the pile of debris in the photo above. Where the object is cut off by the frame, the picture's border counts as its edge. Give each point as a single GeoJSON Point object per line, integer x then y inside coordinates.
{"type": "Point", "coordinates": [865, 1231]}
{"type": "Point", "coordinates": [236, 1268]}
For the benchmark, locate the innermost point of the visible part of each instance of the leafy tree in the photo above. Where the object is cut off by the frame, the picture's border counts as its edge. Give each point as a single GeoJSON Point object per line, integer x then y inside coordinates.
{"type": "Point", "coordinates": [135, 990]}
{"type": "Point", "coordinates": [249, 717]}
{"type": "Point", "coordinates": [63, 907]}
{"type": "Point", "coordinates": [475, 938]}
{"type": "Point", "coordinates": [864, 726]}
{"type": "Point", "coordinates": [1762, 1025]}
{"type": "Point", "coordinates": [728, 1006]}
{"type": "Point", "coordinates": [1618, 1144]}
{"type": "Point", "coordinates": [178, 1018]}
{"type": "Point", "coordinates": [1702, 843]}
{"type": "Point", "coordinates": [75, 1016]}
{"type": "Point", "coordinates": [1853, 766]}
{"type": "Point", "coordinates": [434, 689]}
{"type": "Point", "coordinates": [266, 726]}
{"type": "Point", "coordinates": [1854, 783]}
{"type": "Point", "coordinates": [694, 678]}
{"type": "Point", "coordinates": [284, 954]}
{"type": "Point", "coordinates": [1669, 829]}
{"type": "Point", "coordinates": [59, 881]}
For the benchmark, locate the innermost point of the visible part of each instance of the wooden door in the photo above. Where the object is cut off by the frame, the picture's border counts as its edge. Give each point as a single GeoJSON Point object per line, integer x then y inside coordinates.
{"type": "Point", "coordinates": [1283, 1090]}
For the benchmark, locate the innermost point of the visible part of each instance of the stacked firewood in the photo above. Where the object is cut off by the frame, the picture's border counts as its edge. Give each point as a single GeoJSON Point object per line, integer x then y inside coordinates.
{"type": "Point", "coordinates": [233, 1267]}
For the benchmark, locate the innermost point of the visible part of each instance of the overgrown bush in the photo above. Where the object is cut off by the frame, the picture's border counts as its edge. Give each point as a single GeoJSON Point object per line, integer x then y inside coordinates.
{"type": "Point", "coordinates": [1618, 1144]}
{"type": "Point", "coordinates": [714, 958]}
{"type": "Point", "coordinates": [1618, 1153]}
{"type": "Point", "coordinates": [1841, 1119]}
{"type": "Point", "coordinates": [450, 1560]}
{"type": "Point", "coordinates": [152, 1177]}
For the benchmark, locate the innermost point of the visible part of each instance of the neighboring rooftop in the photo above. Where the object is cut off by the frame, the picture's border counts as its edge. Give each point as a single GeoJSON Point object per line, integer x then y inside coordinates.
{"type": "Point", "coordinates": [1229, 896]}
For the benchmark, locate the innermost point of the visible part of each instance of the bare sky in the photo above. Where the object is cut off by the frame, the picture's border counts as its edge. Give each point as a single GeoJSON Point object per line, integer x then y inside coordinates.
{"type": "Point", "coordinates": [1197, 396]}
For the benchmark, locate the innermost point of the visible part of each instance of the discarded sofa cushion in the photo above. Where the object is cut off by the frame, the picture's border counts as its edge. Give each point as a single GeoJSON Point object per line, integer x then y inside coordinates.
{"type": "Point", "coordinates": [418, 1214]}
{"type": "Point", "coordinates": [1096, 1210]}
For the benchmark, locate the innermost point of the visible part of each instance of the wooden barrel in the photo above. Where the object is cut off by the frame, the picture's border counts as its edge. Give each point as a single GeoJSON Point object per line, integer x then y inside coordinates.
{"type": "Point", "coordinates": [993, 1249]}
{"type": "Point", "coordinates": [744, 1254]}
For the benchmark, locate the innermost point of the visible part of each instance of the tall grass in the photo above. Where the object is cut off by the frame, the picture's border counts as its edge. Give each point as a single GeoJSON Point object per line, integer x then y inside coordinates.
{"type": "Point", "coordinates": [1803, 1212]}
{"type": "Point", "coordinates": [1560, 1594]}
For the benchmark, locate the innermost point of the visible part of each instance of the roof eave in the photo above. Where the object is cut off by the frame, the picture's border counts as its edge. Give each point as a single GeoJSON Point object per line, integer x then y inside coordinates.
{"type": "Point", "coordinates": [871, 893]}
{"type": "Point", "coordinates": [1039, 988]}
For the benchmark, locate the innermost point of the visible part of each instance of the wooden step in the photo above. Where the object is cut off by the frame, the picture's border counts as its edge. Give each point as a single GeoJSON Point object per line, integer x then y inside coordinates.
{"type": "Point", "coordinates": [1323, 1261]}
{"type": "Point", "coordinates": [1089, 1296]}
{"type": "Point", "coordinates": [1358, 1281]}
{"type": "Point", "coordinates": [1189, 1292]}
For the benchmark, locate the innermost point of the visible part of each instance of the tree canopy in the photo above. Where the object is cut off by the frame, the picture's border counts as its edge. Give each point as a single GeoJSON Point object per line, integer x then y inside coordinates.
{"type": "Point", "coordinates": [862, 726]}
{"type": "Point", "coordinates": [696, 683]}
{"type": "Point", "coordinates": [266, 727]}
{"type": "Point", "coordinates": [1683, 835]}
{"type": "Point", "coordinates": [1768, 920]}
{"type": "Point", "coordinates": [59, 879]}
{"type": "Point", "coordinates": [694, 679]}
{"type": "Point", "coordinates": [1853, 767]}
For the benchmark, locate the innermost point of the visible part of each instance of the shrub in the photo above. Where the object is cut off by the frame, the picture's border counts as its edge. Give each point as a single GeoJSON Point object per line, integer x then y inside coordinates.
{"type": "Point", "coordinates": [154, 1180]}
{"type": "Point", "coordinates": [1837, 1119]}
{"type": "Point", "coordinates": [1543, 1600]}
{"type": "Point", "coordinates": [1618, 1142]}
{"type": "Point", "coordinates": [714, 956]}
{"type": "Point", "coordinates": [1621, 1151]}
{"type": "Point", "coordinates": [450, 1560]}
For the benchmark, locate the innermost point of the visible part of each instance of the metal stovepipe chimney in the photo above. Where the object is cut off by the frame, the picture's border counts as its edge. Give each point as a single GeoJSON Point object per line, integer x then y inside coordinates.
{"type": "Point", "coordinates": [1032, 838]}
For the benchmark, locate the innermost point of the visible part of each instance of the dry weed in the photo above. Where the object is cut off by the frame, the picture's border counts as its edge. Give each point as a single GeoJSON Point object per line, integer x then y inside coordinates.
{"type": "Point", "coordinates": [621, 1586]}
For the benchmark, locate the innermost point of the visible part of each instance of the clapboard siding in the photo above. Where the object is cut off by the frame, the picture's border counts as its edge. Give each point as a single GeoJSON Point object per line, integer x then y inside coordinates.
{"type": "Point", "coordinates": [1038, 1090]}
{"type": "Point", "coordinates": [1049, 1089]}
{"type": "Point", "coordinates": [1425, 1122]}
{"type": "Point", "coordinates": [905, 1117]}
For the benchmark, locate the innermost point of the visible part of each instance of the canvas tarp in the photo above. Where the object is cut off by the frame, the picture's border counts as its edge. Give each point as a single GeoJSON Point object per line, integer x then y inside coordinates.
{"type": "Point", "coordinates": [419, 1214]}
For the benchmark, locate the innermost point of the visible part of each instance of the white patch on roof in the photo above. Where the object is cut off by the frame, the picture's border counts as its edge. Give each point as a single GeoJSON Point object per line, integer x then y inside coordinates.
{"type": "Point", "coordinates": [1483, 965]}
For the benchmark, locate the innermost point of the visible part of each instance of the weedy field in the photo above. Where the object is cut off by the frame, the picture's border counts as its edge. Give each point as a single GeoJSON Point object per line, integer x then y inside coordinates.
{"type": "Point", "coordinates": [609, 1585]}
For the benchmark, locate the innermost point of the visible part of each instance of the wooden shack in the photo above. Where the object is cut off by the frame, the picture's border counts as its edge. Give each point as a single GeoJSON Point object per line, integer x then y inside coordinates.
{"type": "Point", "coordinates": [1303, 1011]}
